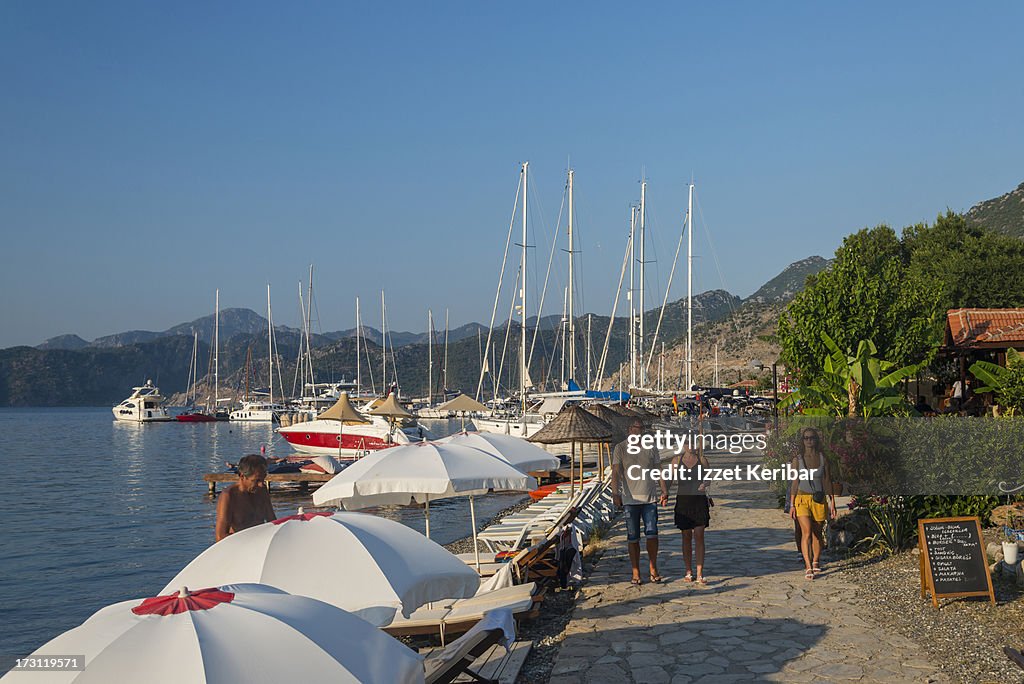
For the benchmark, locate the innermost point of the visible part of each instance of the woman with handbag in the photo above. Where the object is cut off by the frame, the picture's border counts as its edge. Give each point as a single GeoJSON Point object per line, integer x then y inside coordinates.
{"type": "Point", "coordinates": [693, 510]}
{"type": "Point", "coordinates": [808, 498]}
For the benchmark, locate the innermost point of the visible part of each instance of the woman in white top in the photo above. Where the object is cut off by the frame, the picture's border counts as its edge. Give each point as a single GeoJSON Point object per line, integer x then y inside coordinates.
{"type": "Point", "coordinates": [807, 498]}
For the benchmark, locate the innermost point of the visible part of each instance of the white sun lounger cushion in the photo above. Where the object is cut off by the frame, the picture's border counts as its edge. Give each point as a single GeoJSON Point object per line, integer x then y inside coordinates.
{"type": "Point", "coordinates": [515, 599]}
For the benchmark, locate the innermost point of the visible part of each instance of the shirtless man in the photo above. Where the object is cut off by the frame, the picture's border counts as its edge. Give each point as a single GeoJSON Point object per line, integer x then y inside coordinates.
{"type": "Point", "coordinates": [247, 503]}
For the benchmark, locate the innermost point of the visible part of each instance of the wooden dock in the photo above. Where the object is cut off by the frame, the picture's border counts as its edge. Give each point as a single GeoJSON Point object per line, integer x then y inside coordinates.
{"type": "Point", "coordinates": [303, 479]}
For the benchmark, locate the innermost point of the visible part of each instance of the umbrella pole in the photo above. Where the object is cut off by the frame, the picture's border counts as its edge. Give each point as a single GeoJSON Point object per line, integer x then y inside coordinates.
{"type": "Point", "coordinates": [572, 468]}
{"type": "Point", "coordinates": [472, 517]}
{"type": "Point", "coordinates": [427, 511]}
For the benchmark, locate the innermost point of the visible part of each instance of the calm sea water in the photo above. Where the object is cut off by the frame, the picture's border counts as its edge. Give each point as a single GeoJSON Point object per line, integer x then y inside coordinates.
{"type": "Point", "coordinates": [96, 511]}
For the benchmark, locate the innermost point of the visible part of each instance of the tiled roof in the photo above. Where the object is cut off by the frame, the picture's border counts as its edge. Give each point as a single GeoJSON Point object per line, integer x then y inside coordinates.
{"type": "Point", "coordinates": [988, 327]}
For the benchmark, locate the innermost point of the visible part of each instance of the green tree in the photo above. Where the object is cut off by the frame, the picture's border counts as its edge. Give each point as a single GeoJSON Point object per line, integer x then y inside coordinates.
{"type": "Point", "coordinates": [969, 266]}
{"type": "Point", "coordinates": [868, 293]}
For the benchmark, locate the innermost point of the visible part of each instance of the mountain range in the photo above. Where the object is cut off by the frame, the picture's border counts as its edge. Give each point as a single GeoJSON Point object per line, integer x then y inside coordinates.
{"type": "Point", "coordinates": [67, 370]}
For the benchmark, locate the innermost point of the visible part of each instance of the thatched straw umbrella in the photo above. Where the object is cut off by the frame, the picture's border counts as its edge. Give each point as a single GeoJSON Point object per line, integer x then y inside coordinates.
{"type": "Point", "coordinates": [620, 423]}
{"type": "Point", "coordinates": [575, 424]}
{"type": "Point", "coordinates": [392, 410]}
{"type": "Point", "coordinates": [632, 414]}
{"type": "Point", "coordinates": [463, 404]}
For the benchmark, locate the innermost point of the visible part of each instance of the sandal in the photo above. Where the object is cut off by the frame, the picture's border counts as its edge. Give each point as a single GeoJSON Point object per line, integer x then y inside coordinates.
{"type": "Point", "coordinates": [655, 579]}
{"type": "Point", "coordinates": [809, 574]}
{"type": "Point", "coordinates": [815, 568]}
{"type": "Point", "coordinates": [701, 581]}
{"type": "Point", "coordinates": [636, 582]}
{"type": "Point", "coordinates": [689, 576]}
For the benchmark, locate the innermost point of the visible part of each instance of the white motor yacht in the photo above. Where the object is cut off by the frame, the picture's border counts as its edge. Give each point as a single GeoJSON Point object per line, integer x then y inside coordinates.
{"type": "Point", "coordinates": [258, 412]}
{"type": "Point", "coordinates": [144, 406]}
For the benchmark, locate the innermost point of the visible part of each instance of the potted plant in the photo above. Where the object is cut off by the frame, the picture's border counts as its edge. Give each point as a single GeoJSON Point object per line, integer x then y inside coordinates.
{"type": "Point", "coordinates": [1010, 545]}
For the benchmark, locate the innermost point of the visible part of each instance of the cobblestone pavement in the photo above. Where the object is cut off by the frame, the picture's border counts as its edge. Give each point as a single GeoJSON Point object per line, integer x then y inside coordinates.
{"type": "Point", "coordinates": [757, 620]}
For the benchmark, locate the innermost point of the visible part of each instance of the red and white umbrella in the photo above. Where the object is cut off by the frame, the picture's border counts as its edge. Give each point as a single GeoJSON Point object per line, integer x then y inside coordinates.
{"type": "Point", "coordinates": [370, 566]}
{"type": "Point", "coordinates": [225, 635]}
{"type": "Point", "coordinates": [520, 454]}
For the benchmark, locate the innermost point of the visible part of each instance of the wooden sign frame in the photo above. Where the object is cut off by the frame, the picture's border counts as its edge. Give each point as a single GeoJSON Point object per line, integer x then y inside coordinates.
{"type": "Point", "coordinates": [927, 584]}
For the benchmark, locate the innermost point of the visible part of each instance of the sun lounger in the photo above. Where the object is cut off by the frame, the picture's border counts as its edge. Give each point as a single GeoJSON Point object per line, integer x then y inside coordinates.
{"type": "Point", "coordinates": [455, 617]}
{"type": "Point", "coordinates": [445, 665]}
{"type": "Point", "coordinates": [502, 534]}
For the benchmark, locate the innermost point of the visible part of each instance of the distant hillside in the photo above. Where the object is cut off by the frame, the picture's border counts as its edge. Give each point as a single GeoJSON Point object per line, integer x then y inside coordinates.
{"type": "Point", "coordinates": [1004, 214]}
{"type": "Point", "coordinates": [401, 338]}
{"type": "Point", "coordinates": [232, 322]}
{"type": "Point", "coordinates": [103, 375]}
{"type": "Point", "coordinates": [91, 376]}
{"type": "Point", "coordinates": [783, 287]}
{"type": "Point", "coordinates": [64, 342]}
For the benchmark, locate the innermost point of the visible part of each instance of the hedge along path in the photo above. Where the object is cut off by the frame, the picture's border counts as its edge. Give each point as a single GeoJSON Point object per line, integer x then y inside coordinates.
{"type": "Point", "coordinates": [757, 620]}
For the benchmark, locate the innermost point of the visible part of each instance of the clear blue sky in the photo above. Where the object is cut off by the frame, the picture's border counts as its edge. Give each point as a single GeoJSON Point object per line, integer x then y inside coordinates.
{"type": "Point", "coordinates": [152, 152]}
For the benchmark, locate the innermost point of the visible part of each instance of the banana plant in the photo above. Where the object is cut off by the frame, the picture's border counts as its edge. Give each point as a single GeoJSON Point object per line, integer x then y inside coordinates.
{"type": "Point", "coordinates": [1006, 383]}
{"type": "Point", "coordinates": [855, 385]}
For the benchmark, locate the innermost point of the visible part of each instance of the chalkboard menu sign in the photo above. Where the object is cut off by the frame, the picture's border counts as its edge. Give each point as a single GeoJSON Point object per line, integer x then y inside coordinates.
{"type": "Point", "coordinates": [953, 559]}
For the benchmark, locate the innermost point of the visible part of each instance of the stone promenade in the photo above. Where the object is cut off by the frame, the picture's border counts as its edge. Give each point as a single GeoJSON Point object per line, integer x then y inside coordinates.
{"type": "Point", "coordinates": [757, 620]}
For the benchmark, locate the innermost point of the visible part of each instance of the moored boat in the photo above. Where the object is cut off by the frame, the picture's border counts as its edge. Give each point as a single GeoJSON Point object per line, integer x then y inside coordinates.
{"type": "Point", "coordinates": [145, 405]}
{"type": "Point", "coordinates": [345, 433]}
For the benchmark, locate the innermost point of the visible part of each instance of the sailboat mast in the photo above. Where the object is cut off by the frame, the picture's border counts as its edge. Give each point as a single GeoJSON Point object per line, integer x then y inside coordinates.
{"type": "Point", "coordinates": [572, 314]}
{"type": "Point", "coordinates": [643, 266]}
{"type": "Point", "coordinates": [522, 301]}
{"type": "Point", "coordinates": [359, 364]}
{"type": "Point", "coordinates": [270, 344]}
{"type": "Point", "coordinates": [309, 320]}
{"type": "Point", "coordinates": [190, 387]}
{"type": "Point", "coordinates": [716, 365]}
{"type": "Point", "coordinates": [689, 290]}
{"type": "Point", "coordinates": [216, 350]}
{"type": "Point", "coordinates": [444, 370]}
{"type": "Point", "coordinates": [629, 296]}
{"type": "Point", "coordinates": [430, 358]}
{"type": "Point", "coordinates": [383, 345]}
{"type": "Point", "coordinates": [661, 369]}
{"type": "Point", "coordinates": [589, 329]}
{"type": "Point", "coordinates": [562, 329]}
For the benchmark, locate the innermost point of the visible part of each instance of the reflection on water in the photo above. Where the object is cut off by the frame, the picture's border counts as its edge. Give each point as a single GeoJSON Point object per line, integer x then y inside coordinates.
{"type": "Point", "coordinates": [97, 511]}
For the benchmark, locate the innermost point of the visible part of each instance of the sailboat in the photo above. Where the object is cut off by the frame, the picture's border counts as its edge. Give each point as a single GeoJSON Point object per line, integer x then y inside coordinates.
{"type": "Point", "coordinates": [263, 411]}
{"type": "Point", "coordinates": [534, 411]}
{"type": "Point", "coordinates": [207, 414]}
{"type": "Point", "coordinates": [194, 414]}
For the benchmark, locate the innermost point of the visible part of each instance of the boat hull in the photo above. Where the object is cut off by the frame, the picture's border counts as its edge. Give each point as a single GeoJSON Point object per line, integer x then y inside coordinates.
{"type": "Point", "coordinates": [157, 415]}
{"type": "Point", "coordinates": [195, 418]}
{"type": "Point", "coordinates": [354, 441]}
{"type": "Point", "coordinates": [498, 426]}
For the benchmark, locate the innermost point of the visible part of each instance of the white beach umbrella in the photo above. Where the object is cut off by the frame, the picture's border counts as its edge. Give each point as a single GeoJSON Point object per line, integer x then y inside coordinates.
{"type": "Point", "coordinates": [225, 635]}
{"type": "Point", "coordinates": [422, 472]}
{"type": "Point", "coordinates": [370, 566]}
{"type": "Point", "coordinates": [522, 455]}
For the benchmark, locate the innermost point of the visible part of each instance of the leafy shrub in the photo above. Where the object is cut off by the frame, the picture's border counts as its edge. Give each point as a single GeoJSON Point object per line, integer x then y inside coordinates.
{"type": "Point", "coordinates": [894, 525]}
{"type": "Point", "coordinates": [953, 507]}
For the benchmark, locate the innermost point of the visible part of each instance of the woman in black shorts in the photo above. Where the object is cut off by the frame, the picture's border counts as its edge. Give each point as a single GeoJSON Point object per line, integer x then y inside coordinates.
{"type": "Point", "coordinates": [693, 511]}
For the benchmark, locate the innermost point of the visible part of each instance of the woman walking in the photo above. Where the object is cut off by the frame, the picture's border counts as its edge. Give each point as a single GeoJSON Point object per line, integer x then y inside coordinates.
{"type": "Point", "coordinates": [693, 510]}
{"type": "Point", "coordinates": [807, 498]}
